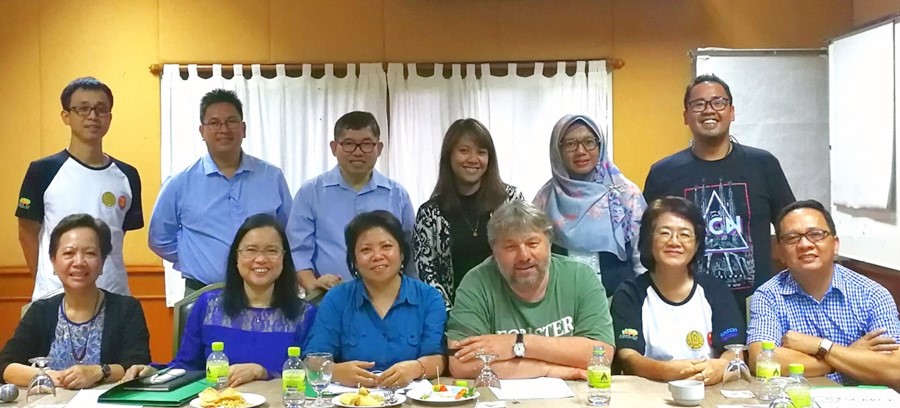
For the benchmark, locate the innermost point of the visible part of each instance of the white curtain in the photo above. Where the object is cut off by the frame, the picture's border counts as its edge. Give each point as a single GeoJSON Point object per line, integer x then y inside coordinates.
{"type": "Point", "coordinates": [289, 120]}
{"type": "Point", "coordinates": [519, 111]}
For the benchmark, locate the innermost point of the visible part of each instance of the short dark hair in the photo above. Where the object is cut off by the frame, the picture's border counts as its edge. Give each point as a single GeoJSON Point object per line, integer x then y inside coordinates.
{"type": "Point", "coordinates": [356, 120]}
{"type": "Point", "coordinates": [87, 83]}
{"type": "Point", "coordinates": [370, 220]}
{"type": "Point", "coordinates": [679, 207]}
{"type": "Point", "coordinates": [796, 205]}
{"type": "Point", "coordinates": [220, 96]}
{"type": "Point", "coordinates": [73, 221]}
{"type": "Point", "coordinates": [284, 296]}
{"type": "Point", "coordinates": [707, 78]}
{"type": "Point", "coordinates": [492, 192]}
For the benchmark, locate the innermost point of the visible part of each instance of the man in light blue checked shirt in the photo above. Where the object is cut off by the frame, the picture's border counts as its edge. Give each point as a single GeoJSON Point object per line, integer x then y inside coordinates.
{"type": "Point", "coordinates": [816, 303]}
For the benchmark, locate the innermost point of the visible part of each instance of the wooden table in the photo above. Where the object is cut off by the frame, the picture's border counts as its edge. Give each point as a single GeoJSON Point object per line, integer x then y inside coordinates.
{"type": "Point", "coordinates": [627, 391]}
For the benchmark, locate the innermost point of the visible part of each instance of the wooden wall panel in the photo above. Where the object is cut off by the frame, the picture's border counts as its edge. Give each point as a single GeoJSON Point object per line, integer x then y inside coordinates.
{"type": "Point", "coordinates": [147, 285]}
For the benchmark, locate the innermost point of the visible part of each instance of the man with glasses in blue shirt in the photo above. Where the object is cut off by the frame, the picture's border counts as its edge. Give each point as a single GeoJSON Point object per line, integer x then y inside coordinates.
{"type": "Point", "coordinates": [325, 205]}
{"type": "Point", "coordinates": [816, 304]}
{"type": "Point", "coordinates": [80, 179]}
{"type": "Point", "coordinates": [200, 209]}
{"type": "Point", "coordinates": [739, 189]}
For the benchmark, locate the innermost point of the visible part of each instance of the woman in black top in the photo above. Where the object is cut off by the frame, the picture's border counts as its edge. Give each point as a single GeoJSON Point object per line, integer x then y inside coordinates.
{"type": "Point", "coordinates": [451, 227]}
{"type": "Point", "coordinates": [91, 336]}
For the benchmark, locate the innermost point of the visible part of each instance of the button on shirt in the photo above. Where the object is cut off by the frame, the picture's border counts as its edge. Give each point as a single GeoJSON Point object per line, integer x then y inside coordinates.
{"type": "Point", "coordinates": [199, 210]}
{"type": "Point", "coordinates": [326, 204]}
{"type": "Point", "coordinates": [348, 327]}
{"type": "Point", "coordinates": [852, 307]}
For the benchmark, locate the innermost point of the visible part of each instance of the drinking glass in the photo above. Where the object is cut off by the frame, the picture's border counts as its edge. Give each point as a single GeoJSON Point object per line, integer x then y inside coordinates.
{"type": "Point", "coordinates": [783, 400]}
{"type": "Point", "coordinates": [319, 368]}
{"type": "Point", "coordinates": [41, 384]}
{"type": "Point", "coordinates": [487, 380]}
{"type": "Point", "coordinates": [737, 375]}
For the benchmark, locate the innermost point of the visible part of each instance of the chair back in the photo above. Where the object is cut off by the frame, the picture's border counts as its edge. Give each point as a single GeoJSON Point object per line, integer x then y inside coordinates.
{"type": "Point", "coordinates": [51, 294]}
{"type": "Point", "coordinates": [182, 310]}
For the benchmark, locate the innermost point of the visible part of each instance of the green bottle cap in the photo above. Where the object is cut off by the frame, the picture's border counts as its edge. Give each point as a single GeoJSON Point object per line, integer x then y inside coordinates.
{"type": "Point", "coordinates": [768, 345]}
{"type": "Point", "coordinates": [599, 351]}
{"type": "Point", "coordinates": [293, 351]}
{"type": "Point", "coordinates": [795, 368]}
{"type": "Point", "coordinates": [461, 383]}
{"type": "Point", "coordinates": [218, 346]}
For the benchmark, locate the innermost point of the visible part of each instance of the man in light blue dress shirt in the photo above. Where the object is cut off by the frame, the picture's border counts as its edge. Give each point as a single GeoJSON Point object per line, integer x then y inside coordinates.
{"type": "Point", "coordinates": [325, 205]}
{"type": "Point", "coordinates": [199, 210]}
{"type": "Point", "coordinates": [816, 304]}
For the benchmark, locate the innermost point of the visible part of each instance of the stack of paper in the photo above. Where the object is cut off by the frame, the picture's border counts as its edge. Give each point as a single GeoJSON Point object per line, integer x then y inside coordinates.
{"type": "Point", "coordinates": [534, 388]}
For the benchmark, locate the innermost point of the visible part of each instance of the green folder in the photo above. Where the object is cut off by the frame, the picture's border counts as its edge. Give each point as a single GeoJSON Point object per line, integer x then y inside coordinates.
{"type": "Point", "coordinates": [174, 398]}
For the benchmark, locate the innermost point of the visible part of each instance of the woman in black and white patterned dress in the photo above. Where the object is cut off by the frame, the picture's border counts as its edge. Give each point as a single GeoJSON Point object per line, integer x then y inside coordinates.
{"type": "Point", "coordinates": [451, 227]}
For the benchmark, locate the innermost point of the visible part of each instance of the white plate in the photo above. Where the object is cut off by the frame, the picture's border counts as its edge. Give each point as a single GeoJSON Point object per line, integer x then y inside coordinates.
{"type": "Point", "coordinates": [442, 397]}
{"type": "Point", "coordinates": [253, 400]}
{"type": "Point", "coordinates": [399, 397]}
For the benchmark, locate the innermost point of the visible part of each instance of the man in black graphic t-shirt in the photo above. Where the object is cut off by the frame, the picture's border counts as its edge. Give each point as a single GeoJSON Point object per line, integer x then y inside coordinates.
{"type": "Point", "coordinates": [739, 189]}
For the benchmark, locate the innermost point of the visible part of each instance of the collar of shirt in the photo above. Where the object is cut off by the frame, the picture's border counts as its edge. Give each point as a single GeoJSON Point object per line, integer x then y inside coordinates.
{"type": "Point", "coordinates": [790, 286]}
{"type": "Point", "coordinates": [248, 163]}
{"type": "Point", "coordinates": [334, 178]}
{"type": "Point", "coordinates": [406, 294]}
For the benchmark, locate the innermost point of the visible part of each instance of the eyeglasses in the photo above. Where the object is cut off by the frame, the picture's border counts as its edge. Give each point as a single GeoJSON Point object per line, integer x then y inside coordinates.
{"type": "Point", "coordinates": [684, 237]}
{"type": "Point", "coordinates": [813, 235]}
{"type": "Point", "coordinates": [350, 147]}
{"type": "Point", "coordinates": [253, 253]}
{"type": "Point", "coordinates": [85, 111]}
{"type": "Point", "coordinates": [230, 123]}
{"type": "Point", "coordinates": [571, 145]}
{"type": "Point", "coordinates": [718, 104]}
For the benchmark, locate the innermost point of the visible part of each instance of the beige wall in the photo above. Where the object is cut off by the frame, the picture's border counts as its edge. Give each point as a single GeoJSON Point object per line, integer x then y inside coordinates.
{"type": "Point", "coordinates": [47, 43]}
{"type": "Point", "coordinates": [865, 11]}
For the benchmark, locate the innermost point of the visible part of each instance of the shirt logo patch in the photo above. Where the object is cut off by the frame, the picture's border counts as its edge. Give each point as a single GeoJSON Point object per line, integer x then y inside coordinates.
{"type": "Point", "coordinates": [694, 340]}
{"type": "Point", "coordinates": [24, 203]}
{"type": "Point", "coordinates": [122, 202]}
{"type": "Point", "coordinates": [108, 199]}
{"type": "Point", "coordinates": [729, 333]}
{"type": "Point", "coordinates": [628, 334]}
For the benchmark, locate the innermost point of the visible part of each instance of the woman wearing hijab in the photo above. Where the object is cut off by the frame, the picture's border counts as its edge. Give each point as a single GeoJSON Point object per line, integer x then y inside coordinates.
{"type": "Point", "coordinates": [595, 210]}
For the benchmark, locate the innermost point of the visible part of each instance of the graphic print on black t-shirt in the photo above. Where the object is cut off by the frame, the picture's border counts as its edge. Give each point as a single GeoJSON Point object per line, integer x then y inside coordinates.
{"type": "Point", "coordinates": [729, 248]}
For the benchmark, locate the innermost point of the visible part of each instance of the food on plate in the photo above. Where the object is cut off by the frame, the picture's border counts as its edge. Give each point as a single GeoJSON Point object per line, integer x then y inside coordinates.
{"type": "Point", "coordinates": [444, 394]}
{"type": "Point", "coordinates": [361, 398]}
{"type": "Point", "coordinates": [227, 398]}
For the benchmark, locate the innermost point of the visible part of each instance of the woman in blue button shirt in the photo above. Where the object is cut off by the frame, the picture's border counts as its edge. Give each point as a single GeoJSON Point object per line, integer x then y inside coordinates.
{"type": "Point", "coordinates": [383, 320]}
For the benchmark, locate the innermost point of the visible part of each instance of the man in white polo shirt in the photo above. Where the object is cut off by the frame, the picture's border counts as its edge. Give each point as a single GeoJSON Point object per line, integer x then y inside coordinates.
{"type": "Point", "coordinates": [80, 179]}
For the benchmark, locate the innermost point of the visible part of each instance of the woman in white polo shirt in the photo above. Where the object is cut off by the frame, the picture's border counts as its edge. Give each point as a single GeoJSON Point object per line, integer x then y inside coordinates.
{"type": "Point", "coordinates": [672, 324]}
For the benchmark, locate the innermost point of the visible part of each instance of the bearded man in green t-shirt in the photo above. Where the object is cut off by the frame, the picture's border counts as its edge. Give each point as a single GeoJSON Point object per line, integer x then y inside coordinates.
{"type": "Point", "coordinates": [542, 314]}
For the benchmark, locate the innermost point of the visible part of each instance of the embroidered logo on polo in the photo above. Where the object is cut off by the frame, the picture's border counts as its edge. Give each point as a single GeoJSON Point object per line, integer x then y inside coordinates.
{"type": "Point", "coordinates": [108, 199]}
{"type": "Point", "coordinates": [728, 333]}
{"type": "Point", "coordinates": [24, 203]}
{"type": "Point", "coordinates": [628, 334]}
{"type": "Point", "coordinates": [694, 340]}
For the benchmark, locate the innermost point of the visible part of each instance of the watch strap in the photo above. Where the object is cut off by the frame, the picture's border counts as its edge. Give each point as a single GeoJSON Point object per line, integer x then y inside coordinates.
{"type": "Point", "coordinates": [519, 346]}
{"type": "Point", "coordinates": [824, 347]}
{"type": "Point", "coordinates": [106, 371]}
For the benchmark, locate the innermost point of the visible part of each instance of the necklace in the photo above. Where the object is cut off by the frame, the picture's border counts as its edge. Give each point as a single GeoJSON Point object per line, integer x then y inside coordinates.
{"type": "Point", "coordinates": [79, 356]}
{"type": "Point", "coordinates": [475, 228]}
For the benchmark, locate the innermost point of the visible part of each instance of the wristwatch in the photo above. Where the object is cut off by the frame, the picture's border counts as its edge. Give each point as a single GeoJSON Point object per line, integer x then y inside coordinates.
{"type": "Point", "coordinates": [104, 368]}
{"type": "Point", "coordinates": [519, 347]}
{"type": "Point", "coordinates": [824, 348]}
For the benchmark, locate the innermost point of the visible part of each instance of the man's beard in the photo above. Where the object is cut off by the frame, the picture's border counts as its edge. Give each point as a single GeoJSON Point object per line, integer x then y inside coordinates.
{"type": "Point", "coordinates": [527, 282]}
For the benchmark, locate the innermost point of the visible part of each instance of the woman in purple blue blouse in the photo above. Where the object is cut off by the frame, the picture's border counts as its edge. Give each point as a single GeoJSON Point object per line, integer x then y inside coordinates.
{"type": "Point", "coordinates": [257, 315]}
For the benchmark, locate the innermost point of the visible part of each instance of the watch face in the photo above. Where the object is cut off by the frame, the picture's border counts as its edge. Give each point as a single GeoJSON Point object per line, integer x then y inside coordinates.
{"type": "Point", "coordinates": [519, 349]}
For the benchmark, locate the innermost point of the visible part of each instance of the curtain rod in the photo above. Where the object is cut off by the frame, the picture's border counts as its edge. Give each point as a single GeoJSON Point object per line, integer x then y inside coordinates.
{"type": "Point", "coordinates": [156, 69]}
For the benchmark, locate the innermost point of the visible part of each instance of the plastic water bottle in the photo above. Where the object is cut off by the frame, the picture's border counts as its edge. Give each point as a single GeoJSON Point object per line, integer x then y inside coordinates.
{"type": "Point", "coordinates": [293, 380]}
{"type": "Point", "coordinates": [217, 366]}
{"type": "Point", "coordinates": [797, 388]}
{"type": "Point", "coordinates": [599, 379]}
{"type": "Point", "coordinates": [767, 368]}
